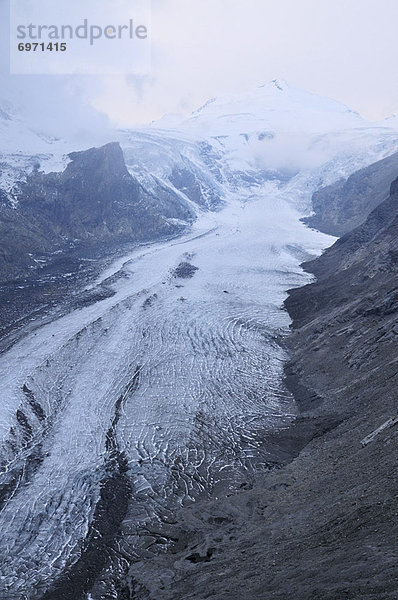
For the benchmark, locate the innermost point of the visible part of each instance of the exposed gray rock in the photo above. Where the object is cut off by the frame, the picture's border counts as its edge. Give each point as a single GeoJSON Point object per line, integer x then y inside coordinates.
{"type": "Point", "coordinates": [93, 202]}
{"type": "Point", "coordinates": [346, 204]}
{"type": "Point", "coordinates": [185, 270]}
{"type": "Point", "coordinates": [196, 190]}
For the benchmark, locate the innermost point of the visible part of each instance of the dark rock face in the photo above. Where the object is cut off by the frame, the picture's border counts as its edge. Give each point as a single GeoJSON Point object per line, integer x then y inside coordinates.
{"type": "Point", "coordinates": [185, 270]}
{"type": "Point", "coordinates": [187, 182]}
{"type": "Point", "coordinates": [321, 527]}
{"type": "Point", "coordinates": [94, 201]}
{"type": "Point", "coordinates": [346, 204]}
{"type": "Point", "coordinates": [360, 267]}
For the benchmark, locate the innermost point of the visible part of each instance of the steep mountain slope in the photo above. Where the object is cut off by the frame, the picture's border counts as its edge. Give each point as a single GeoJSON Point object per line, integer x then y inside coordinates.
{"type": "Point", "coordinates": [94, 201]}
{"type": "Point", "coordinates": [346, 204]}
{"type": "Point", "coordinates": [186, 166]}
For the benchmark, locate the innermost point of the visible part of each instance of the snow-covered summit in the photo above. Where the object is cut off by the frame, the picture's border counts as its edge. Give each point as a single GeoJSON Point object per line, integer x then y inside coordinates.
{"type": "Point", "coordinates": [273, 106]}
{"type": "Point", "coordinates": [278, 128]}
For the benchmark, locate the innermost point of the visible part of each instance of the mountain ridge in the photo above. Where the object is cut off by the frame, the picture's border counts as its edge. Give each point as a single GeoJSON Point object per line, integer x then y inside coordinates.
{"type": "Point", "coordinates": [94, 200]}
{"type": "Point", "coordinates": [344, 205]}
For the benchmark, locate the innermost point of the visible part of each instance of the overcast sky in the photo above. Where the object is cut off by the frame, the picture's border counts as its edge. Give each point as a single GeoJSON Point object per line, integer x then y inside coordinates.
{"type": "Point", "coordinates": [343, 49]}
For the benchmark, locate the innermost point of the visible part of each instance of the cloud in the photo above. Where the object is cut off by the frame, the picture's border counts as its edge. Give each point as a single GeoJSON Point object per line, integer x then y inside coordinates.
{"type": "Point", "coordinates": [343, 49]}
{"type": "Point", "coordinates": [57, 105]}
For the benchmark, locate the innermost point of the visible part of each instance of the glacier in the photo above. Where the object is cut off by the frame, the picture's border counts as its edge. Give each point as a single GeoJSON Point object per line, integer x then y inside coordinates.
{"type": "Point", "coordinates": [115, 414]}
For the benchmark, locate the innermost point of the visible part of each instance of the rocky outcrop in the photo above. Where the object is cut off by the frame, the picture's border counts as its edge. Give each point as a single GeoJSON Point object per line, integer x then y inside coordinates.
{"type": "Point", "coordinates": [344, 205]}
{"type": "Point", "coordinates": [188, 183]}
{"type": "Point", "coordinates": [321, 524]}
{"type": "Point", "coordinates": [359, 268]}
{"type": "Point", "coordinates": [94, 201]}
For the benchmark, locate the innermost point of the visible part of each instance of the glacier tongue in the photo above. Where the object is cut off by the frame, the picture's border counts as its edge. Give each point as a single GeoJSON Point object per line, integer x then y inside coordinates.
{"type": "Point", "coordinates": [177, 377]}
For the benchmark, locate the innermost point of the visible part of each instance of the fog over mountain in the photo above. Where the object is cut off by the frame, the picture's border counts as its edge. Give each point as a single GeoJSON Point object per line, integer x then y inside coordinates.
{"type": "Point", "coordinates": [334, 49]}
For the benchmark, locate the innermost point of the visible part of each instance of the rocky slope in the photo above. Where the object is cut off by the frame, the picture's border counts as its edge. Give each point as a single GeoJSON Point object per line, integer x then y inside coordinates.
{"type": "Point", "coordinates": [93, 201]}
{"type": "Point", "coordinates": [321, 524]}
{"type": "Point", "coordinates": [346, 204]}
{"type": "Point", "coordinates": [58, 229]}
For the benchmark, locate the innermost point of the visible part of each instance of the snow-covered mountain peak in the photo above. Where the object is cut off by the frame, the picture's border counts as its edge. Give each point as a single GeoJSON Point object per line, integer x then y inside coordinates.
{"type": "Point", "coordinates": [280, 130]}
{"type": "Point", "coordinates": [275, 106]}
